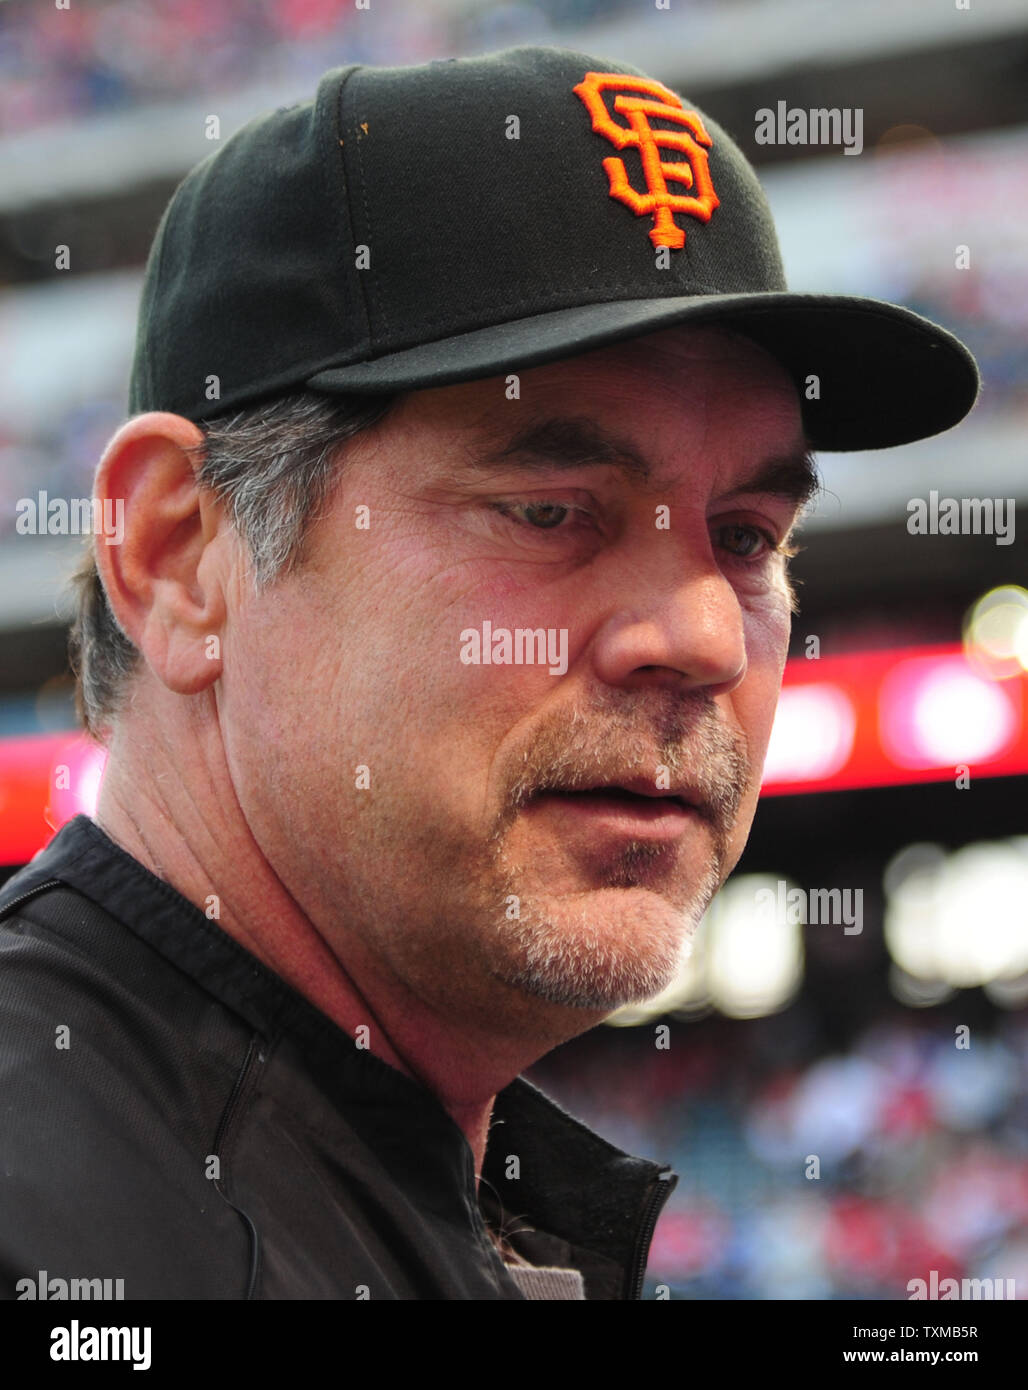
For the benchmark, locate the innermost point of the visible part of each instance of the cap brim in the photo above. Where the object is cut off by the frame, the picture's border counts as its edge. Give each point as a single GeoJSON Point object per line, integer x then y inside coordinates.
{"type": "Point", "coordinates": [885, 375]}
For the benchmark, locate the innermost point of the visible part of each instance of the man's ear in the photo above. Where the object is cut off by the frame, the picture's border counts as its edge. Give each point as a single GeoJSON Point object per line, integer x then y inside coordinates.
{"type": "Point", "coordinates": [164, 577]}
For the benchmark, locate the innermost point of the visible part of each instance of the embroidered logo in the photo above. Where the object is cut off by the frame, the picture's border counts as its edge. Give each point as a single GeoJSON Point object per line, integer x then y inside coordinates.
{"type": "Point", "coordinates": [692, 140]}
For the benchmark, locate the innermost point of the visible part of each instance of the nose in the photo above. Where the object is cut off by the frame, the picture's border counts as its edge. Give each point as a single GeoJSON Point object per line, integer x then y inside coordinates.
{"type": "Point", "coordinates": [677, 621]}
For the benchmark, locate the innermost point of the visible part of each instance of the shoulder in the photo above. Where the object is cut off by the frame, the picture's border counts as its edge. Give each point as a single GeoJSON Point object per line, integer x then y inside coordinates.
{"type": "Point", "coordinates": [113, 1074]}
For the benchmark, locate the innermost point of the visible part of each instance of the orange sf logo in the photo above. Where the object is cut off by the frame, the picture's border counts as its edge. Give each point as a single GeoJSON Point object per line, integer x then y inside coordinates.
{"type": "Point", "coordinates": [690, 141]}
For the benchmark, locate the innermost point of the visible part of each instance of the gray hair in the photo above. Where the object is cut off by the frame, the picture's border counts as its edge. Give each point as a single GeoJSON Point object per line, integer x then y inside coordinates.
{"type": "Point", "coordinates": [274, 467]}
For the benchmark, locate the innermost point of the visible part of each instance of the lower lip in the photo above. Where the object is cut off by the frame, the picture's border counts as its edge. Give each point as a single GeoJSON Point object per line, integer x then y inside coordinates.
{"type": "Point", "coordinates": [655, 818]}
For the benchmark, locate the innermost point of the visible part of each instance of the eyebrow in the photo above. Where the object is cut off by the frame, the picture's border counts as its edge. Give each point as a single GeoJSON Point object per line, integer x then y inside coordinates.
{"type": "Point", "coordinates": [567, 442]}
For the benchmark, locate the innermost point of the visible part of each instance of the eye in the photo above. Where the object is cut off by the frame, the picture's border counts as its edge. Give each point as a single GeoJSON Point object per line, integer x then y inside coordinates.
{"type": "Point", "coordinates": [540, 516]}
{"type": "Point", "coordinates": [750, 538]}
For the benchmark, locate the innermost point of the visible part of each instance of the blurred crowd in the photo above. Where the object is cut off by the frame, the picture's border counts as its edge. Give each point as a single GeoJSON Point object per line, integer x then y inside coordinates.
{"type": "Point", "coordinates": [98, 57]}
{"type": "Point", "coordinates": [845, 1175]}
{"type": "Point", "coordinates": [95, 57]}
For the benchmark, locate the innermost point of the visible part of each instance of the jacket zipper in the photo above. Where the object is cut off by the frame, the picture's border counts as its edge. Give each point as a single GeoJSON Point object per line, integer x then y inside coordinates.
{"type": "Point", "coordinates": [253, 1055]}
{"type": "Point", "coordinates": [24, 897]}
{"type": "Point", "coordinates": [228, 1114]}
{"type": "Point", "coordinates": [658, 1196]}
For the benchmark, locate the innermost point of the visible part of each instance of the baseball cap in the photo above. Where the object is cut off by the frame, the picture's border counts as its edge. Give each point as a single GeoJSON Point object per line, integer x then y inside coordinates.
{"type": "Point", "coordinates": [414, 227]}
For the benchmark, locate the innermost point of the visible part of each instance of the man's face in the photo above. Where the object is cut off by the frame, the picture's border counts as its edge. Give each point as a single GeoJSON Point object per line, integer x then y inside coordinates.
{"type": "Point", "coordinates": [449, 865]}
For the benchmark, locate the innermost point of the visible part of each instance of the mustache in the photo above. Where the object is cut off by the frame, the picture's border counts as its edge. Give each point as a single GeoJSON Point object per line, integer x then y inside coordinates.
{"type": "Point", "coordinates": [626, 735]}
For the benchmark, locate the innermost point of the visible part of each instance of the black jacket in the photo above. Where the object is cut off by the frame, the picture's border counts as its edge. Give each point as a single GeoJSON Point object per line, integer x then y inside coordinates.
{"type": "Point", "coordinates": [174, 1115]}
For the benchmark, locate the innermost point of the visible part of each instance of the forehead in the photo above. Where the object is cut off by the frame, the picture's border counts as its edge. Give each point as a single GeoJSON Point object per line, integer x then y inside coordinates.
{"type": "Point", "coordinates": [679, 365]}
{"type": "Point", "coordinates": [685, 369]}
{"type": "Point", "coordinates": [672, 396]}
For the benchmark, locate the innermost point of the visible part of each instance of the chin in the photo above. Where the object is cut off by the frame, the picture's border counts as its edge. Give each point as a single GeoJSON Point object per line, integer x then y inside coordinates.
{"type": "Point", "coordinates": [597, 951]}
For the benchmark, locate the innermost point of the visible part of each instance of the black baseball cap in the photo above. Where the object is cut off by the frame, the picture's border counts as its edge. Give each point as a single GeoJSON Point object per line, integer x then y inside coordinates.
{"type": "Point", "coordinates": [418, 226]}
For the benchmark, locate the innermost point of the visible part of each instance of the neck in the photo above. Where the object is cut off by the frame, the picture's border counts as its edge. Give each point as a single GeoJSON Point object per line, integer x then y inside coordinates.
{"type": "Point", "coordinates": [192, 835]}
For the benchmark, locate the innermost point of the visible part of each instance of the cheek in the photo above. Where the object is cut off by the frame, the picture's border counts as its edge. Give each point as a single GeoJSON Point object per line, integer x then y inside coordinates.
{"type": "Point", "coordinates": [755, 701]}
{"type": "Point", "coordinates": [283, 660]}
{"type": "Point", "coordinates": [754, 704]}
{"type": "Point", "coordinates": [767, 625]}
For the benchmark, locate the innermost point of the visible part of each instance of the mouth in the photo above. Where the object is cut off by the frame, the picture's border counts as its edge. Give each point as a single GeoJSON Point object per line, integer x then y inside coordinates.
{"type": "Point", "coordinates": [634, 793]}
{"type": "Point", "coordinates": [625, 797]}
{"type": "Point", "coordinates": [617, 810]}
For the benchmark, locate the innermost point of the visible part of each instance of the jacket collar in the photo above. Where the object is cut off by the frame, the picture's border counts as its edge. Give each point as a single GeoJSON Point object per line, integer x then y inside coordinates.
{"type": "Point", "coordinates": [577, 1200]}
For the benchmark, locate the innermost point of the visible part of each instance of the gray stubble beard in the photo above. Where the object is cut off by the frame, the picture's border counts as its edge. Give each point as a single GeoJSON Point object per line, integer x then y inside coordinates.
{"type": "Point", "coordinates": [565, 961]}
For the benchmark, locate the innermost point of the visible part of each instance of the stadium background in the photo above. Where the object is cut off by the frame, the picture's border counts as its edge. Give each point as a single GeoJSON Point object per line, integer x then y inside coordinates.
{"type": "Point", "coordinates": [780, 1041]}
